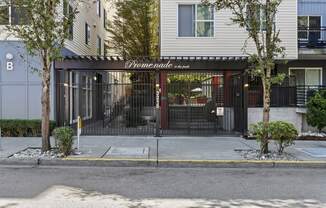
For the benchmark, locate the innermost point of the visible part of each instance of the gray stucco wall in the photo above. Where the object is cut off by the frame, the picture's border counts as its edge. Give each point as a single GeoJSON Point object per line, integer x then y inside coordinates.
{"type": "Point", "coordinates": [20, 89]}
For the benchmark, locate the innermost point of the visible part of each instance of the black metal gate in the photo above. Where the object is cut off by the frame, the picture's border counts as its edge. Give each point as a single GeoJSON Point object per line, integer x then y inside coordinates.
{"type": "Point", "coordinates": [125, 103]}
{"type": "Point", "coordinates": [203, 104]}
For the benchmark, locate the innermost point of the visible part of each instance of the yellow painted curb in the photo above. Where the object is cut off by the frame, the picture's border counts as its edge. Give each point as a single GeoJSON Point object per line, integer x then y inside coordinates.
{"type": "Point", "coordinates": [197, 161]}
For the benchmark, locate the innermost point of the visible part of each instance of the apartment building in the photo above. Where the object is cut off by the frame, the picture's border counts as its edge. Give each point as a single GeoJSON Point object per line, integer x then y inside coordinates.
{"type": "Point", "coordinates": [20, 85]}
{"type": "Point", "coordinates": [199, 84]}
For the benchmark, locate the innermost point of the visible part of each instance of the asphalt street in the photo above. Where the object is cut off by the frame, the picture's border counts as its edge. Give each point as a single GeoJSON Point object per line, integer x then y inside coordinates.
{"type": "Point", "coordinates": [136, 187]}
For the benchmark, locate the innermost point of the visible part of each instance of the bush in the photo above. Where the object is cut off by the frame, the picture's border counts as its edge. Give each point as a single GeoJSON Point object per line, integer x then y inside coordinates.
{"type": "Point", "coordinates": [283, 133]}
{"type": "Point", "coordinates": [258, 131]}
{"type": "Point", "coordinates": [64, 139]}
{"type": "Point", "coordinates": [316, 110]}
{"type": "Point", "coordinates": [22, 128]}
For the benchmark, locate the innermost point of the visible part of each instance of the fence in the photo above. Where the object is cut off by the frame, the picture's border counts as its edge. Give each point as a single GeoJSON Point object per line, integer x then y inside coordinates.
{"type": "Point", "coordinates": [312, 37]}
{"type": "Point", "coordinates": [289, 96]}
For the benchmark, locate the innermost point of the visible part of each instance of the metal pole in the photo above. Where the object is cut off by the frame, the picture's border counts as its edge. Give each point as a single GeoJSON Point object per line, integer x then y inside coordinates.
{"type": "Point", "coordinates": [0, 140]}
{"type": "Point", "coordinates": [158, 119]}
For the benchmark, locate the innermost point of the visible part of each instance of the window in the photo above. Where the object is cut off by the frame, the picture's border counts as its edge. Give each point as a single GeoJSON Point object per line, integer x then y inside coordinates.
{"type": "Point", "coordinates": [306, 76]}
{"type": "Point", "coordinates": [87, 34]}
{"type": "Point", "coordinates": [104, 18]}
{"type": "Point", "coordinates": [4, 15]}
{"type": "Point", "coordinates": [195, 21]}
{"type": "Point", "coordinates": [309, 27]}
{"type": "Point", "coordinates": [99, 45]}
{"type": "Point", "coordinates": [259, 13]}
{"type": "Point", "coordinates": [19, 16]}
{"type": "Point", "coordinates": [67, 10]}
{"type": "Point", "coordinates": [98, 7]}
{"type": "Point", "coordinates": [86, 104]}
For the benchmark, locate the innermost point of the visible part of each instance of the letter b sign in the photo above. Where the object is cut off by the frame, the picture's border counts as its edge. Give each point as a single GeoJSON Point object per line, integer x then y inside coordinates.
{"type": "Point", "coordinates": [10, 66]}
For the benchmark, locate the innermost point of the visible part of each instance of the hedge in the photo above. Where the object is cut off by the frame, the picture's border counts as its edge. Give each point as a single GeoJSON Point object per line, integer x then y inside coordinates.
{"type": "Point", "coordinates": [22, 128]}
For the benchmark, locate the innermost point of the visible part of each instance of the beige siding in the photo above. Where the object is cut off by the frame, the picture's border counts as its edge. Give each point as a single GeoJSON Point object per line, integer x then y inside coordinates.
{"type": "Point", "coordinates": [228, 39]}
{"type": "Point", "coordinates": [87, 13]}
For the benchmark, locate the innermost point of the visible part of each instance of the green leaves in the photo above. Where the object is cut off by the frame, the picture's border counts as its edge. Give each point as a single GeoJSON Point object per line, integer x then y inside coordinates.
{"type": "Point", "coordinates": [134, 28]}
{"type": "Point", "coordinates": [316, 110]}
{"type": "Point", "coordinates": [46, 29]}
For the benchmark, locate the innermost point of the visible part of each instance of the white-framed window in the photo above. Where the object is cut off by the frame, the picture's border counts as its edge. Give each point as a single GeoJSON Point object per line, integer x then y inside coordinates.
{"type": "Point", "coordinates": [67, 10]}
{"type": "Point", "coordinates": [98, 8]}
{"type": "Point", "coordinates": [195, 20]}
{"type": "Point", "coordinates": [259, 14]}
{"type": "Point", "coordinates": [87, 34]}
{"type": "Point", "coordinates": [306, 76]}
{"type": "Point", "coordinates": [309, 26]}
{"type": "Point", "coordinates": [13, 14]}
{"type": "Point", "coordinates": [86, 96]}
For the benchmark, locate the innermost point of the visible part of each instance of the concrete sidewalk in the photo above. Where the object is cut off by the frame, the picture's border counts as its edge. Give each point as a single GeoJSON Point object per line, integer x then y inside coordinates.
{"type": "Point", "coordinates": [169, 148]}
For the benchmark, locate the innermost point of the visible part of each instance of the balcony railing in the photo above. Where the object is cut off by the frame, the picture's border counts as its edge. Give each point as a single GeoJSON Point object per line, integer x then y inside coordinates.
{"type": "Point", "coordinates": [296, 96]}
{"type": "Point", "coordinates": [312, 37]}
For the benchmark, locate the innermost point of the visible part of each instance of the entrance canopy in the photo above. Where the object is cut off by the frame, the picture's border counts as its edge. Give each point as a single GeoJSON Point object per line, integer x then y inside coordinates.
{"type": "Point", "coordinates": [164, 63]}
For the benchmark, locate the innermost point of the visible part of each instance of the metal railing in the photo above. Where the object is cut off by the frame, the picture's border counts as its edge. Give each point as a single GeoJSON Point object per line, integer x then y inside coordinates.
{"type": "Point", "coordinates": [288, 96]}
{"type": "Point", "coordinates": [309, 37]}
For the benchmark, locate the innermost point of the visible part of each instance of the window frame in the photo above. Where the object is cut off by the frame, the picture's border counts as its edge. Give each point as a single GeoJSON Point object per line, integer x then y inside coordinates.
{"type": "Point", "coordinates": [308, 22]}
{"type": "Point", "coordinates": [98, 8]}
{"type": "Point", "coordinates": [307, 69]}
{"type": "Point", "coordinates": [195, 22]}
{"type": "Point", "coordinates": [87, 34]}
{"type": "Point", "coordinates": [8, 8]}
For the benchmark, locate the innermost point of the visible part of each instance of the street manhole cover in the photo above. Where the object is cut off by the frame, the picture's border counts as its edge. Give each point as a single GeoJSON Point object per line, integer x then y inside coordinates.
{"type": "Point", "coordinates": [315, 152]}
{"type": "Point", "coordinates": [128, 152]}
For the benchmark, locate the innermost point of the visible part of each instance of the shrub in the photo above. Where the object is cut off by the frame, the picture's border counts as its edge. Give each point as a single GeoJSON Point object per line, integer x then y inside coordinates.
{"type": "Point", "coordinates": [258, 131]}
{"type": "Point", "coordinates": [64, 139]}
{"type": "Point", "coordinates": [22, 128]}
{"type": "Point", "coordinates": [316, 110]}
{"type": "Point", "coordinates": [283, 133]}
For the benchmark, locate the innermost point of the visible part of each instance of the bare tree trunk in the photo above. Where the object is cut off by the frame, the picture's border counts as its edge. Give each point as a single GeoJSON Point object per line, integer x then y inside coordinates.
{"type": "Point", "coordinates": [266, 110]}
{"type": "Point", "coordinates": [46, 104]}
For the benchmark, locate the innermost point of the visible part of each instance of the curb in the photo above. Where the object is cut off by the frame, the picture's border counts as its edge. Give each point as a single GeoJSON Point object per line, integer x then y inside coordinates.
{"type": "Point", "coordinates": [106, 162]}
{"type": "Point", "coordinates": [18, 162]}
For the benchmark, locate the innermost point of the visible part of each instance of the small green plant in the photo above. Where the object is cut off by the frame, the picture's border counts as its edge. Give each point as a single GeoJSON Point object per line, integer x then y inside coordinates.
{"type": "Point", "coordinates": [64, 139]}
{"type": "Point", "coordinates": [283, 133]}
{"type": "Point", "coordinates": [259, 131]}
{"type": "Point", "coordinates": [316, 110]}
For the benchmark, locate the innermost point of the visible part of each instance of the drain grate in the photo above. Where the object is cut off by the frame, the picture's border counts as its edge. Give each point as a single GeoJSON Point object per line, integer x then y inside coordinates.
{"type": "Point", "coordinates": [315, 152]}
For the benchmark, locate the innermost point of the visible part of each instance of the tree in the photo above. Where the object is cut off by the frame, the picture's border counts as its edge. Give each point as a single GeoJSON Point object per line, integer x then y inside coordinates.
{"type": "Point", "coordinates": [134, 28]}
{"type": "Point", "coordinates": [316, 110]}
{"type": "Point", "coordinates": [257, 17]}
{"type": "Point", "coordinates": [44, 32]}
{"type": "Point", "coordinates": [134, 33]}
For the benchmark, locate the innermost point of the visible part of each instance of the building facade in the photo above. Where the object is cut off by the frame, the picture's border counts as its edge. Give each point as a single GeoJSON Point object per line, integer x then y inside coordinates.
{"type": "Point", "coordinates": [20, 83]}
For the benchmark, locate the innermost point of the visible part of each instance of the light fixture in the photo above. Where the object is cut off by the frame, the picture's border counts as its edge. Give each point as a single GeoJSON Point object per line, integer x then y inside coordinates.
{"type": "Point", "coordinates": [95, 78]}
{"type": "Point", "coordinates": [9, 56]}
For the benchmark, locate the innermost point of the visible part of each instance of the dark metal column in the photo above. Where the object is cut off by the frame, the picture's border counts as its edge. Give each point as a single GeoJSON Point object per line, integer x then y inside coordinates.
{"type": "Point", "coordinates": [245, 103]}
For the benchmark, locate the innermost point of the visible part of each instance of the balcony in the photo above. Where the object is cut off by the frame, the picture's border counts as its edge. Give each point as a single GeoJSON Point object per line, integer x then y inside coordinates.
{"type": "Point", "coordinates": [312, 41]}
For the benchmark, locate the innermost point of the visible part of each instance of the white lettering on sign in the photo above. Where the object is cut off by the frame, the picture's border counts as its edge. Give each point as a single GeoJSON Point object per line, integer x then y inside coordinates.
{"type": "Point", "coordinates": [144, 65]}
{"type": "Point", "coordinates": [158, 98]}
{"type": "Point", "coordinates": [219, 111]}
{"type": "Point", "coordinates": [10, 66]}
